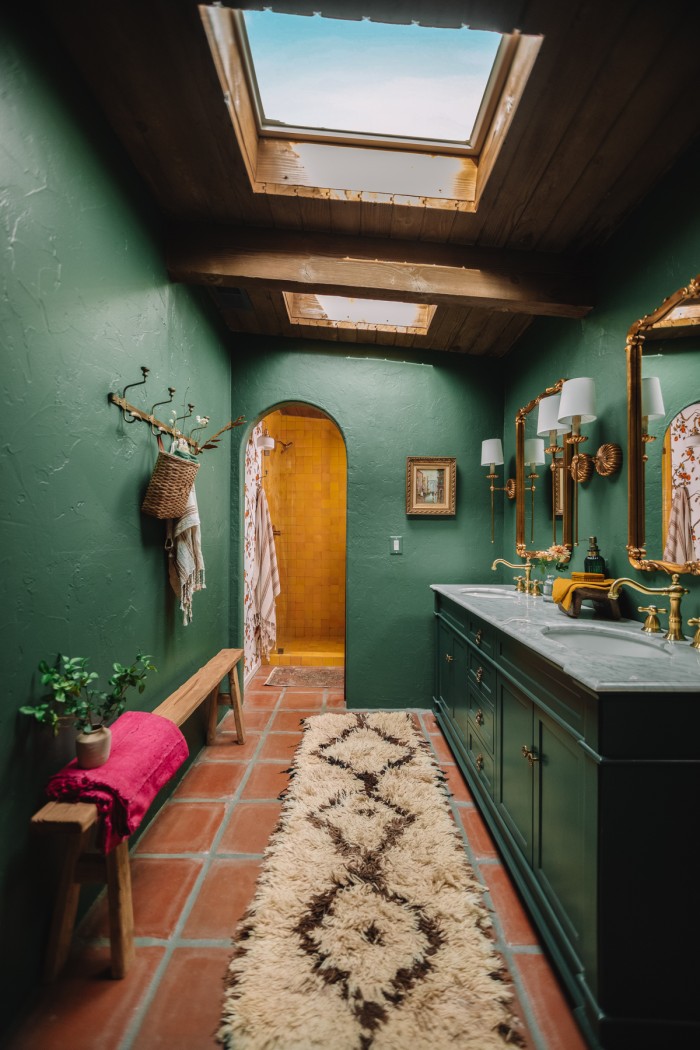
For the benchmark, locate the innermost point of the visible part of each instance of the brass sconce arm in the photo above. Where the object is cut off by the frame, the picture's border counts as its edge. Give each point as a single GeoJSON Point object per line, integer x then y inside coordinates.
{"type": "Point", "coordinates": [674, 592]}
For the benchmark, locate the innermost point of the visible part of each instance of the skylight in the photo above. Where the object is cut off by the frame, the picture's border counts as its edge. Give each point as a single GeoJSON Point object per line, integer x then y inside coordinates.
{"type": "Point", "coordinates": [338, 311]}
{"type": "Point", "coordinates": [370, 79]}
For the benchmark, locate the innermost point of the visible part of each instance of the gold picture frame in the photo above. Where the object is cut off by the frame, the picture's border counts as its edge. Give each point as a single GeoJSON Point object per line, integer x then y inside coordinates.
{"type": "Point", "coordinates": [431, 485]}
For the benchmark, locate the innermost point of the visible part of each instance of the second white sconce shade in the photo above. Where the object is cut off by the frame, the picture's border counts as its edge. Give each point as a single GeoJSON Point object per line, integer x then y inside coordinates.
{"type": "Point", "coordinates": [265, 442]}
{"type": "Point", "coordinates": [577, 399]}
{"type": "Point", "coordinates": [491, 452]}
{"type": "Point", "coordinates": [534, 451]}
{"type": "Point", "coordinates": [652, 398]}
{"type": "Point", "coordinates": [548, 416]}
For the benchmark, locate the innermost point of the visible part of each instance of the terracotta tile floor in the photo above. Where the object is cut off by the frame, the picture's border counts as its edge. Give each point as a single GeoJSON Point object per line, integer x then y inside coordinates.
{"type": "Point", "coordinates": [194, 873]}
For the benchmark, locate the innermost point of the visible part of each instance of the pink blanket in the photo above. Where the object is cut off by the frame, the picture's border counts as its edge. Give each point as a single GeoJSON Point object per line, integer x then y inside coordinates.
{"type": "Point", "coordinates": [146, 751]}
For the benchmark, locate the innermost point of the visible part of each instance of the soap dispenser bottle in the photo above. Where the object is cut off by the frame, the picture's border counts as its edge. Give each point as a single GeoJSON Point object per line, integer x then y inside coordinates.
{"type": "Point", "coordinates": [594, 562]}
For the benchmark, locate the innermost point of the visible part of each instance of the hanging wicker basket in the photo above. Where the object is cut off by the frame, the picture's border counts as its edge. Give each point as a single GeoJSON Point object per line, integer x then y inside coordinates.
{"type": "Point", "coordinates": [170, 485]}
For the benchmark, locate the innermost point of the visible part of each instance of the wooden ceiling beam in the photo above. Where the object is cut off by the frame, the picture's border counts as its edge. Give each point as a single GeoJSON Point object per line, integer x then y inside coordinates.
{"type": "Point", "coordinates": [372, 268]}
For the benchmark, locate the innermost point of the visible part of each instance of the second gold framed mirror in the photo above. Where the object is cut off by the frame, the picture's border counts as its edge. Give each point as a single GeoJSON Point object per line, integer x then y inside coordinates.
{"type": "Point", "coordinates": [663, 435]}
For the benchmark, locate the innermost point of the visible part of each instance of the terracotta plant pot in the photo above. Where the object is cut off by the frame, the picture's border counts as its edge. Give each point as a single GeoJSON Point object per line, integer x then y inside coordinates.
{"type": "Point", "coordinates": [92, 749]}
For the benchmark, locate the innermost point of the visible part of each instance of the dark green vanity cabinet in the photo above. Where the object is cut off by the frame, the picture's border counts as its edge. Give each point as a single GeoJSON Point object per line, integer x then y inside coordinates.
{"type": "Point", "coordinates": [591, 798]}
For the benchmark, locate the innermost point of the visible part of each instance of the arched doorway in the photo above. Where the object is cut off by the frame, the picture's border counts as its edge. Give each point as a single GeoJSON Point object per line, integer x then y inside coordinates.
{"type": "Point", "coordinates": [304, 477]}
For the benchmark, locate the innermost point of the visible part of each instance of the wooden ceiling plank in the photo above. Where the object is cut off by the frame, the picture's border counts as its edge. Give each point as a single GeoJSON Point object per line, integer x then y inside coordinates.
{"type": "Point", "coordinates": [635, 71]}
{"type": "Point", "coordinates": [133, 56]}
{"type": "Point", "coordinates": [563, 75]}
{"type": "Point", "coordinates": [375, 268]}
{"type": "Point", "coordinates": [666, 108]}
{"type": "Point", "coordinates": [446, 323]}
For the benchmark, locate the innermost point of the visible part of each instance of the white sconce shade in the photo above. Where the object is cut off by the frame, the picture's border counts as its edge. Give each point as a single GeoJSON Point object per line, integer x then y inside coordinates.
{"type": "Point", "coordinates": [652, 398]}
{"type": "Point", "coordinates": [265, 442]}
{"type": "Point", "coordinates": [577, 399]}
{"type": "Point", "coordinates": [491, 452]}
{"type": "Point", "coordinates": [548, 416]}
{"type": "Point", "coordinates": [534, 451]}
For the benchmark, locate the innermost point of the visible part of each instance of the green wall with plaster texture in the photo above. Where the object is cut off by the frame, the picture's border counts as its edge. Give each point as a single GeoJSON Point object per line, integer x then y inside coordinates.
{"type": "Point", "coordinates": [85, 301]}
{"type": "Point", "coordinates": [656, 252]}
{"type": "Point", "coordinates": [407, 405]}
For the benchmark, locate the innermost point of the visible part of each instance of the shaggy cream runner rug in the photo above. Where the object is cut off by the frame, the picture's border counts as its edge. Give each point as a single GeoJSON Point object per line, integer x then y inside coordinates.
{"type": "Point", "coordinates": [368, 928]}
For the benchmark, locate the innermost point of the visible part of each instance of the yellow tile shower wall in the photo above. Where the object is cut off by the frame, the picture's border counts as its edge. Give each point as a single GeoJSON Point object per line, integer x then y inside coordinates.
{"type": "Point", "coordinates": [306, 489]}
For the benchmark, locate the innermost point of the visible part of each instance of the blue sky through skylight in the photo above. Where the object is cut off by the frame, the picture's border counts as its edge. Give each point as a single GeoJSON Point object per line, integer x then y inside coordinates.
{"type": "Point", "coordinates": [370, 77]}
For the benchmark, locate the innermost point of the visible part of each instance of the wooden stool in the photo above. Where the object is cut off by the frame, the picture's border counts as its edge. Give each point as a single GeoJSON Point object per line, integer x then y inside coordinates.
{"type": "Point", "coordinates": [76, 824]}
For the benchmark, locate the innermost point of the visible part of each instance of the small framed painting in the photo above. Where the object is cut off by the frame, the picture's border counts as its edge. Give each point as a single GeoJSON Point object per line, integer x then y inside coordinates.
{"type": "Point", "coordinates": [431, 483]}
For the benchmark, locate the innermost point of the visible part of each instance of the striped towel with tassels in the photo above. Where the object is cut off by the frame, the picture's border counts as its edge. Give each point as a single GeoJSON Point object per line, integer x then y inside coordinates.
{"type": "Point", "coordinates": [265, 583]}
{"type": "Point", "coordinates": [679, 539]}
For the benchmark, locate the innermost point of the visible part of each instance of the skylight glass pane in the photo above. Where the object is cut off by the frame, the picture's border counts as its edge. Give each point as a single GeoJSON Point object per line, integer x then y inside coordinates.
{"type": "Point", "coordinates": [370, 311]}
{"type": "Point", "coordinates": [397, 81]}
{"type": "Point", "coordinates": [340, 311]}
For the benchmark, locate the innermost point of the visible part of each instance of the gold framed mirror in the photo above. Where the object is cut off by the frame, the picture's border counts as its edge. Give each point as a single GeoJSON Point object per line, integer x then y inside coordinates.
{"type": "Point", "coordinates": [659, 495]}
{"type": "Point", "coordinates": [530, 486]}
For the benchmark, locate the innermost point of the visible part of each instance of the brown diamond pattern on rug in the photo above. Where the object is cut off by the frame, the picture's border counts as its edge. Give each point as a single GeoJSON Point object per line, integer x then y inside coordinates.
{"type": "Point", "coordinates": [368, 930]}
{"type": "Point", "coordinates": [308, 677]}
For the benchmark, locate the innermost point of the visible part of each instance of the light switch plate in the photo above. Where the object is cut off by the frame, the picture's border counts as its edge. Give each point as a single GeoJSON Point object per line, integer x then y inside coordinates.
{"type": "Point", "coordinates": [396, 545]}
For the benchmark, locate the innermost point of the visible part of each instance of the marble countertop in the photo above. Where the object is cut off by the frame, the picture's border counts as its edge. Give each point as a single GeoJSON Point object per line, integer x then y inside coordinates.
{"type": "Point", "coordinates": [603, 655]}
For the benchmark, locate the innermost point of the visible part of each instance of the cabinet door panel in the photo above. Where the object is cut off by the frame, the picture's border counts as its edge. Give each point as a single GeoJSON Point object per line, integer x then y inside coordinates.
{"type": "Point", "coordinates": [460, 684]}
{"type": "Point", "coordinates": [444, 659]}
{"type": "Point", "coordinates": [564, 831]}
{"type": "Point", "coordinates": [515, 781]}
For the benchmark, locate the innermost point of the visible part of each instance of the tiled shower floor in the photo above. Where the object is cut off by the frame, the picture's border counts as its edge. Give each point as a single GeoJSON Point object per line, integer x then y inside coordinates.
{"type": "Point", "coordinates": [194, 872]}
{"type": "Point", "coordinates": [309, 652]}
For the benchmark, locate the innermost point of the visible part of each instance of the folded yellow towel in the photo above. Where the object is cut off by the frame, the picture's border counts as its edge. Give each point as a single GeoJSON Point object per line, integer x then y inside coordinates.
{"type": "Point", "coordinates": [563, 589]}
{"type": "Point", "coordinates": [588, 577]}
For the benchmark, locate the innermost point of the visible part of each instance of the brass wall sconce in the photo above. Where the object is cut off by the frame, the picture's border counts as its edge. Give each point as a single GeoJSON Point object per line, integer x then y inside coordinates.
{"type": "Point", "coordinates": [492, 457]}
{"type": "Point", "coordinates": [578, 406]}
{"type": "Point", "coordinates": [265, 443]}
{"type": "Point", "coordinates": [652, 408]}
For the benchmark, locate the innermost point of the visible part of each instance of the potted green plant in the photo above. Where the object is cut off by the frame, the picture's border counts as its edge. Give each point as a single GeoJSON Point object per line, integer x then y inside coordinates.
{"type": "Point", "coordinates": [74, 698]}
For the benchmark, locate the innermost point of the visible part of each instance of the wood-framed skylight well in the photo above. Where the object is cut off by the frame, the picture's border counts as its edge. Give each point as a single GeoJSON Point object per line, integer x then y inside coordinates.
{"type": "Point", "coordinates": [368, 315]}
{"type": "Point", "coordinates": [433, 163]}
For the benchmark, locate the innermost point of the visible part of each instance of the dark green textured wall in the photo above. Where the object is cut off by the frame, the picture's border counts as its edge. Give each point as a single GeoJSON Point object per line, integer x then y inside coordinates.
{"type": "Point", "coordinates": [653, 254]}
{"type": "Point", "coordinates": [84, 302]}
{"type": "Point", "coordinates": [438, 405]}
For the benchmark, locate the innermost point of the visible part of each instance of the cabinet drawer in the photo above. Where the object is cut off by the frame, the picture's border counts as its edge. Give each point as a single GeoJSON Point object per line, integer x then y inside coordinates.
{"type": "Point", "coordinates": [482, 717]}
{"type": "Point", "coordinates": [481, 635]}
{"type": "Point", "coordinates": [481, 760]}
{"type": "Point", "coordinates": [482, 677]}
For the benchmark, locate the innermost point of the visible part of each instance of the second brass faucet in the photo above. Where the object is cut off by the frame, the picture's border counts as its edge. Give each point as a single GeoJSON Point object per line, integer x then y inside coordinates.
{"type": "Point", "coordinates": [674, 592]}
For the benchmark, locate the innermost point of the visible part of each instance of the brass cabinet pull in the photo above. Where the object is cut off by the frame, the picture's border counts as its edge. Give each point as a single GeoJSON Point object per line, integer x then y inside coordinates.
{"type": "Point", "coordinates": [479, 717]}
{"type": "Point", "coordinates": [479, 675]}
{"type": "Point", "coordinates": [449, 658]}
{"type": "Point", "coordinates": [529, 755]}
{"type": "Point", "coordinates": [479, 761]}
{"type": "Point", "coordinates": [477, 638]}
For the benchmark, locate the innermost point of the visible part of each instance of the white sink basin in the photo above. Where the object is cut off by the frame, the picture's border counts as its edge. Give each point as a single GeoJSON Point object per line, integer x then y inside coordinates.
{"type": "Point", "coordinates": [487, 592]}
{"type": "Point", "coordinates": [604, 641]}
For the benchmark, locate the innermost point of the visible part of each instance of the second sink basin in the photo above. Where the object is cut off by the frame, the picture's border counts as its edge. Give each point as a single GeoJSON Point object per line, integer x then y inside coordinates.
{"type": "Point", "coordinates": [604, 641]}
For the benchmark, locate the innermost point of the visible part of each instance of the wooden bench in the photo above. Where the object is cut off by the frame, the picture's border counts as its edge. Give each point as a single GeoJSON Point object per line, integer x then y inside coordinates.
{"type": "Point", "coordinates": [75, 823]}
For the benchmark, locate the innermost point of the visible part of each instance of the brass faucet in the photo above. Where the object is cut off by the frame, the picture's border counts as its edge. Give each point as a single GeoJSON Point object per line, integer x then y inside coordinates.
{"type": "Point", "coordinates": [528, 570]}
{"type": "Point", "coordinates": [674, 592]}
